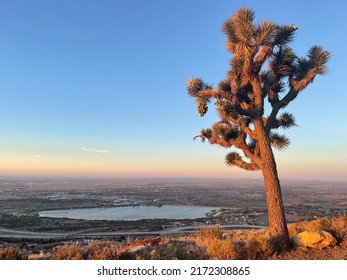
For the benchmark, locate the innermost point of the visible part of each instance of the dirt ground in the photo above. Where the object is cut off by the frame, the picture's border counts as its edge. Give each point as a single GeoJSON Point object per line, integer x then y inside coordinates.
{"type": "Point", "coordinates": [330, 253]}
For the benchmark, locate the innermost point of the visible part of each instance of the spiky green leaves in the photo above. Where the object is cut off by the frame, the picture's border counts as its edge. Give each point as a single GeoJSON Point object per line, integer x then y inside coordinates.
{"type": "Point", "coordinates": [236, 66]}
{"type": "Point", "coordinates": [284, 35]}
{"type": "Point", "coordinates": [239, 28]}
{"type": "Point", "coordinates": [224, 85]}
{"type": "Point", "coordinates": [205, 134]}
{"type": "Point", "coordinates": [266, 32]}
{"type": "Point", "coordinates": [303, 65]}
{"type": "Point", "coordinates": [221, 133]}
{"type": "Point", "coordinates": [308, 67]}
{"type": "Point", "coordinates": [195, 85]}
{"type": "Point", "coordinates": [225, 131]}
{"type": "Point", "coordinates": [287, 120]}
{"type": "Point", "coordinates": [225, 110]}
{"type": "Point", "coordinates": [282, 62]}
{"type": "Point", "coordinates": [232, 158]}
{"type": "Point", "coordinates": [219, 129]}
{"type": "Point", "coordinates": [243, 24]}
{"type": "Point", "coordinates": [279, 141]}
{"type": "Point", "coordinates": [266, 78]}
{"type": "Point", "coordinates": [278, 86]}
{"type": "Point", "coordinates": [318, 59]}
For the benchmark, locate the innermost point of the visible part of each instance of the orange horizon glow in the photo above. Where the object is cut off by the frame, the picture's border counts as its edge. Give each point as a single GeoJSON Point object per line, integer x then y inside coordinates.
{"type": "Point", "coordinates": [38, 166]}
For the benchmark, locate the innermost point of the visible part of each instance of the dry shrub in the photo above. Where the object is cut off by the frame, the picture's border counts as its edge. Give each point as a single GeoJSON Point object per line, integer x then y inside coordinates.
{"type": "Point", "coordinates": [339, 228]}
{"type": "Point", "coordinates": [96, 251]}
{"type": "Point", "coordinates": [68, 252]}
{"type": "Point", "coordinates": [174, 250]}
{"type": "Point", "coordinates": [99, 251]}
{"type": "Point", "coordinates": [10, 253]}
{"type": "Point", "coordinates": [205, 235]}
{"type": "Point", "coordinates": [148, 241]}
{"type": "Point", "coordinates": [318, 224]}
{"type": "Point", "coordinates": [217, 247]}
{"type": "Point", "coordinates": [258, 246]}
{"type": "Point", "coordinates": [248, 245]}
{"type": "Point", "coordinates": [222, 250]}
{"type": "Point", "coordinates": [238, 235]}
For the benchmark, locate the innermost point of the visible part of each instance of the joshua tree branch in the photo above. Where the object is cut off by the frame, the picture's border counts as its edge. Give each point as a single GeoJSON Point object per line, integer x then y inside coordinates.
{"type": "Point", "coordinates": [290, 96]}
{"type": "Point", "coordinates": [240, 121]}
{"type": "Point", "coordinates": [245, 165]}
{"type": "Point", "coordinates": [297, 86]}
{"type": "Point", "coordinates": [271, 119]}
{"type": "Point", "coordinates": [251, 155]}
{"type": "Point", "coordinates": [214, 93]}
{"type": "Point", "coordinates": [264, 53]}
{"type": "Point", "coordinates": [239, 143]}
{"type": "Point", "coordinates": [258, 97]}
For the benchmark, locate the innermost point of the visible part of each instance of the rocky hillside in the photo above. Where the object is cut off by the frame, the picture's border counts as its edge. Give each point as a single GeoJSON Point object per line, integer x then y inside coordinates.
{"type": "Point", "coordinates": [324, 238]}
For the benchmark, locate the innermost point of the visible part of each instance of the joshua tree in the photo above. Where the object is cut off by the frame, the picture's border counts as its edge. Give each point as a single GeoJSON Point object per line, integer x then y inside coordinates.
{"type": "Point", "coordinates": [262, 67]}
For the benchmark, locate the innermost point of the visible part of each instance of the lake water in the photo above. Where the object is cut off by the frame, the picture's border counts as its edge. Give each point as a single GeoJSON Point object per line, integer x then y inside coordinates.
{"type": "Point", "coordinates": [130, 213]}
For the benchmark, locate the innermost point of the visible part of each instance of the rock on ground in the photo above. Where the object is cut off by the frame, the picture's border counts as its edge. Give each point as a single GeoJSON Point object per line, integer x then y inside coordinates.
{"type": "Point", "coordinates": [314, 239]}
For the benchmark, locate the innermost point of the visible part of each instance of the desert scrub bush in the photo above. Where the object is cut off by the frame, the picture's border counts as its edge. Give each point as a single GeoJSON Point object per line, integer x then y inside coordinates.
{"type": "Point", "coordinates": [258, 246]}
{"type": "Point", "coordinates": [99, 251]}
{"type": "Point", "coordinates": [217, 247]}
{"type": "Point", "coordinates": [239, 235]}
{"type": "Point", "coordinates": [205, 235]}
{"type": "Point", "coordinates": [222, 249]}
{"type": "Point", "coordinates": [338, 228]}
{"type": "Point", "coordinates": [318, 224]}
{"type": "Point", "coordinates": [10, 253]}
{"type": "Point", "coordinates": [174, 250]}
{"type": "Point", "coordinates": [69, 252]}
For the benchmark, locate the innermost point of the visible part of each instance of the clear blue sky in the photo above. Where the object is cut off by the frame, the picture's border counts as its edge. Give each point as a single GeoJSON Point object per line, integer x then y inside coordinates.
{"type": "Point", "coordinates": [97, 88]}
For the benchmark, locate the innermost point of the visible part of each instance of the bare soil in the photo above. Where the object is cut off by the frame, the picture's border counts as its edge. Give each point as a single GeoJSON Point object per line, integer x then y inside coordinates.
{"type": "Point", "coordinates": [330, 253]}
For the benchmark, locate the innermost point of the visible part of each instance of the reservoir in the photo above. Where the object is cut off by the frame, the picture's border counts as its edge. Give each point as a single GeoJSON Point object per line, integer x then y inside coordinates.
{"type": "Point", "coordinates": [130, 213]}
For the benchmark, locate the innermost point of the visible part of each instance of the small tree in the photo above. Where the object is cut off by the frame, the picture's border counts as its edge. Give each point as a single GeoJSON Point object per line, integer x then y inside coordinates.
{"type": "Point", "coordinates": [262, 67]}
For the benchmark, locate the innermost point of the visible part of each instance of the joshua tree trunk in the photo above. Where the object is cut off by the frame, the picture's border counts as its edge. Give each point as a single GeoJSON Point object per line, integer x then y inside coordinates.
{"type": "Point", "coordinates": [277, 221]}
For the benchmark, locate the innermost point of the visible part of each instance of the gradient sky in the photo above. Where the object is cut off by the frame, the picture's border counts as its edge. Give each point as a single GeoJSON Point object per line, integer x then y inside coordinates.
{"type": "Point", "coordinates": [97, 88]}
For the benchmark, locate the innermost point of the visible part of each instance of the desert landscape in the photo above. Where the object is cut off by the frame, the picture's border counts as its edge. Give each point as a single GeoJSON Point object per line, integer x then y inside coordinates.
{"type": "Point", "coordinates": [172, 130]}
{"type": "Point", "coordinates": [231, 205]}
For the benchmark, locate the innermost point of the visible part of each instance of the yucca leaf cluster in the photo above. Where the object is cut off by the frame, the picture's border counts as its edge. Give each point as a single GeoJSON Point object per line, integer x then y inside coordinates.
{"type": "Point", "coordinates": [262, 68]}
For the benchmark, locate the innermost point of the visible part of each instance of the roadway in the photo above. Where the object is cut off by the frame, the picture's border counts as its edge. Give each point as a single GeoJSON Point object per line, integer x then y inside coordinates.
{"type": "Point", "coordinates": [9, 233]}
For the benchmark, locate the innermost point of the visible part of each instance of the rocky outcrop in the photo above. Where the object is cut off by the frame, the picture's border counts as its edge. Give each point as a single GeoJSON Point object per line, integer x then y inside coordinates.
{"type": "Point", "coordinates": [314, 239]}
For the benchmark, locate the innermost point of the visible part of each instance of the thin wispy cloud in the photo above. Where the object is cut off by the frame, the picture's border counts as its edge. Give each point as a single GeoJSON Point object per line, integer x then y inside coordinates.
{"type": "Point", "coordinates": [94, 150]}
{"type": "Point", "coordinates": [29, 158]}
{"type": "Point", "coordinates": [51, 141]}
{"type": "Point", "coordinates": [25, 157]}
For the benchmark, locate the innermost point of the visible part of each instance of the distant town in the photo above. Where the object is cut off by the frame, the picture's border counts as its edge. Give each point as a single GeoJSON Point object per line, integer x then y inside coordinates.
{"type": "Point", "coordinates": [235, 203]}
